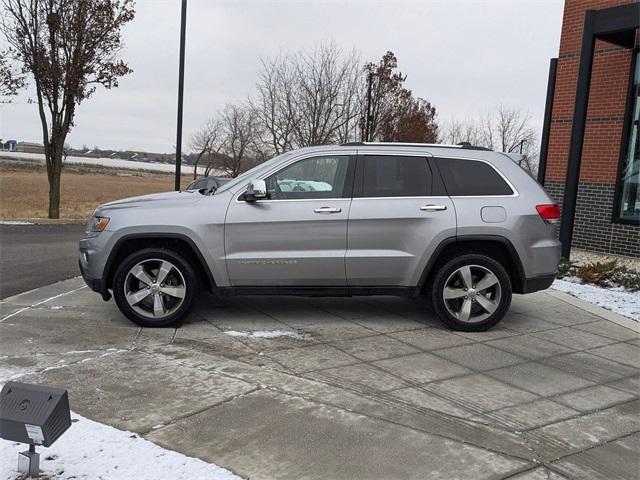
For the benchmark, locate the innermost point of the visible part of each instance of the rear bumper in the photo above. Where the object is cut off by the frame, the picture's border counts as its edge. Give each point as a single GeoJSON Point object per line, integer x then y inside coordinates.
{"type": "Point", "coordinates": [536, 284]}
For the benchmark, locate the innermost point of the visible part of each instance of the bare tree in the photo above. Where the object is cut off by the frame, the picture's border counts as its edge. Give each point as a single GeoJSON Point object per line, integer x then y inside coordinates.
{"type": "Point", "coordinates": [239, 140]}
{"type": "Point", "coordinates": [206, 142]}
{"type": "Point", "coordinates": [506, 129]}
{"type": "Point", "coordinates": [273, 105]}
{"type": "Point", "coordinates": [460, 131]}
{"type": "Point", "coordinates": [69, 47]}
{"type": "Point", "coordinates": [310, 97]}
{"type": "Point", "coordinates": [324, 97]}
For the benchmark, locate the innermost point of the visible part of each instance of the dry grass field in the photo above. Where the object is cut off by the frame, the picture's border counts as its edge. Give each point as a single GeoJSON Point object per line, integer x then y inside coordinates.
{"type": "Point", "coordinates": [24, 190]}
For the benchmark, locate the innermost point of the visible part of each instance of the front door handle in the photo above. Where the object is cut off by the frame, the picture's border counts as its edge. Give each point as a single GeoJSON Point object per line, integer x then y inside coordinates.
{"type": "Point", "coordinates": [328, 210]}
{"type": "Point", "coordinates": [433, 208]}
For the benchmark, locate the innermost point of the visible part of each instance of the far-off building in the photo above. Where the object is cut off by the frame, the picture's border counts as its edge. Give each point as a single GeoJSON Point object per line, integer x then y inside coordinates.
{"type": "Point", "coordinates": [30, 147]}
{"type": "Point", "coordinates": [590, 153]}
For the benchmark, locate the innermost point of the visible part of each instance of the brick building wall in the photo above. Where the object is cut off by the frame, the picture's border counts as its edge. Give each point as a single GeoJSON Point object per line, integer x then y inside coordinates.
{"type": "Point", "coordinates": [608, 98]}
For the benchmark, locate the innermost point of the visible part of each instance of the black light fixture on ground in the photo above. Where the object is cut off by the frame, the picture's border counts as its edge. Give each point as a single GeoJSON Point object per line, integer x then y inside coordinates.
{"type": "Point", "coordinates": [35, 415]}
{"type": "Point", "coordinates": [183, 32]}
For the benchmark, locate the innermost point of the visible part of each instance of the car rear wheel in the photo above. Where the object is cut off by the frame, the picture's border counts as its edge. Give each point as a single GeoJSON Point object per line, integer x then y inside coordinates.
{"type": "Point", "coordinates": [155, 287]}
{"type": "Point", "coordinates": [471, 293]}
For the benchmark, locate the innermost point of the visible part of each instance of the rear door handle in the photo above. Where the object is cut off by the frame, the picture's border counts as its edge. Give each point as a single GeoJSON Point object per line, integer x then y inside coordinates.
{"type": "Point", "coordinates": [328, 210]}
{"type": "Point", "coordinates": [433, 208]}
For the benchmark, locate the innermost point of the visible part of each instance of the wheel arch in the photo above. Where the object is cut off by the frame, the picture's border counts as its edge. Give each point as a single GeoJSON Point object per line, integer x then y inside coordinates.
{"type": "Point", "coordinates": [497, 247]}
{"type": "Point", "coordinates": [180, 243]}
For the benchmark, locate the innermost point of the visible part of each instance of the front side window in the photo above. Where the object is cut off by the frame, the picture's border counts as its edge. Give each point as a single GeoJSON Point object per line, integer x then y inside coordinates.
{"type": "Point", "coordinates": [629, 199]}
{"type": "Point", "coordinates": [471, 178]}
{"type": "Point", "coordinates": [317, 177]}
{"type": "Point", "coordinates": [396, 176]}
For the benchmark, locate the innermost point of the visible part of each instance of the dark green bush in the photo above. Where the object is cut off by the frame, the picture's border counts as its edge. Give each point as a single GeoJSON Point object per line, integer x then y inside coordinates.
{"type": "Point", "coordinates": [566, 268]}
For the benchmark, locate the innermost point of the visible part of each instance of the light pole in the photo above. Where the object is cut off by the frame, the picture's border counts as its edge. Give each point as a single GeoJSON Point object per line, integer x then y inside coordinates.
{"type": "Point", "coordinates": [369, 120]}
{"type": "Point", "coordinates": [183, 32]}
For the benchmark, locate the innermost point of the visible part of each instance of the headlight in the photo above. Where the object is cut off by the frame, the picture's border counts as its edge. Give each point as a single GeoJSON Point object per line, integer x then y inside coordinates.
{"type": "Point", "coordinates": [96, 225]}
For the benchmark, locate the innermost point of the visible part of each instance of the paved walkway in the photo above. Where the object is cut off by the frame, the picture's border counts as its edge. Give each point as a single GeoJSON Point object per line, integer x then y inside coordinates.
{"type": "Point", "coordinates": [351, 388]}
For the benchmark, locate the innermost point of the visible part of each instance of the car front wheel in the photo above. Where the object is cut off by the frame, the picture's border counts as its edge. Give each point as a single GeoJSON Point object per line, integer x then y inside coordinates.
{"type": "Point", "coordinates": [155, 287]}
{"type": "Point", "coordinates": [471, 292]}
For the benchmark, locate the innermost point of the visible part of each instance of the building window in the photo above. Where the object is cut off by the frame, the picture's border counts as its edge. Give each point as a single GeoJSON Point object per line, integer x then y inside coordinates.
{"type": "Point", "coordinates": [629, 199]}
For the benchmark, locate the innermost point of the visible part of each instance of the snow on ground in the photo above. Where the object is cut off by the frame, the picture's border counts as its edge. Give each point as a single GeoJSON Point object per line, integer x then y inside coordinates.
{"type": "Point", "coordinates": [90, 450]}
{"type": "Point", "coordinates": [14, 222]}
{"type": "Point", "coordinates": [618, 300]}
{"type": "Point", "coordinates": [265, 334]}
{"type": "Point", "coordinates": [103, 162]}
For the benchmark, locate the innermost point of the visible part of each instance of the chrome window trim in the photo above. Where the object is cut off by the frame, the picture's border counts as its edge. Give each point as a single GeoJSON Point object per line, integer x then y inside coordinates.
{"type": "Point", "coordinates": [296, 200]}
{"type": "Point", "coordinates": [397, 153]}
{"type": "Point", "coordinates": [402, 198]}
{"type": "Point", "coordinates": [429, 154]}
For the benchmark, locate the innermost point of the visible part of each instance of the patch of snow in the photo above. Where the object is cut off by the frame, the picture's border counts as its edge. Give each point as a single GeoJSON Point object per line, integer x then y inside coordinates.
{"type": "Point", "coordinates": [265, 334]}
{"type": "Point", "coordinates": [104, 162]}
{"type": "Point", "coordinates": [15, 222]}
{"type": "Point", "coordinates": [90, 450]}
{"type": "Point", "coordinates": [618, 300]}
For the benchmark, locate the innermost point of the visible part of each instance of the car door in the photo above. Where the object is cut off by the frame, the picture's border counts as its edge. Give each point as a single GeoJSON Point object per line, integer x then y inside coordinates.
{"type": "Point", "coordinates": [399, 214]}
{"type": "Point", "coordinates": [297, 237]}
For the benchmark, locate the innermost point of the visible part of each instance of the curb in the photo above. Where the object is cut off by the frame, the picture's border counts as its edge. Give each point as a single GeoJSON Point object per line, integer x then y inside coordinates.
{"type": "Point", "coordinates": [596, 310]}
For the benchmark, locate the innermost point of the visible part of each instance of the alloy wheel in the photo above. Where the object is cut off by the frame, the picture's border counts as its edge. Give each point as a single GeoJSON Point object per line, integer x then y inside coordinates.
{"type": "Point", "coordinates": [472, 293]}
{"type": "Point", "coordinates": [155, 288]}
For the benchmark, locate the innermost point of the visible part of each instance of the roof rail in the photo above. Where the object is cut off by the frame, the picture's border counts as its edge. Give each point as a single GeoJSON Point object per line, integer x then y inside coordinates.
{"type": "Point", "coordinates": [462, 145]}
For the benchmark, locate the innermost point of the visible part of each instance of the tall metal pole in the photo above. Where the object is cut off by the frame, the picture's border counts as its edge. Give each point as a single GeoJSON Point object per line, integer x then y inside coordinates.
{"type": "Point", "coordinates": [183, 31]}
{"type": "Point", "coordinates": [367, 128]}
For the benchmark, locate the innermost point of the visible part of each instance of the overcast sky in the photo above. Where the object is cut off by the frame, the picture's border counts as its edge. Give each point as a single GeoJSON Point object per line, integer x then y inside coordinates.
{"type": "Point", "coordinates": [464, 57]}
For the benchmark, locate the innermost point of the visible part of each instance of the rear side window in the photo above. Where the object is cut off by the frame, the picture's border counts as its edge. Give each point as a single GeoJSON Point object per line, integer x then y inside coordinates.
{"type": "Point", "coordinates": [396, 176]}
{"type": "Point", "coordinates": [471, 178]}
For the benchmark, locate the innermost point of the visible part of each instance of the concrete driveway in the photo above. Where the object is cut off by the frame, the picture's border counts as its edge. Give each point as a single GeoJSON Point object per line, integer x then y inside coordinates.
{"type": "Point", "coordinates": [273, 387]}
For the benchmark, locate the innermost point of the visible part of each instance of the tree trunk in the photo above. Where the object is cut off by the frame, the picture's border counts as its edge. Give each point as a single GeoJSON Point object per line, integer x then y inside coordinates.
{"type": "Point", "coordinates": [54, 171]}
{"type": "Point", "coordinates": [54, 196]}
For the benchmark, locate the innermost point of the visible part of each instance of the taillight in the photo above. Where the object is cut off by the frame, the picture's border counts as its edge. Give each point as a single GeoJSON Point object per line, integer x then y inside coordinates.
{"type": "Point", "coordinates": [550, 213]}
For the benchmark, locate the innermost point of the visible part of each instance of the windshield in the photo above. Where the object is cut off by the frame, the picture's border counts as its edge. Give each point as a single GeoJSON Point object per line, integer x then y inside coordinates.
{"type": "Point", "coordinates": [254, 172]}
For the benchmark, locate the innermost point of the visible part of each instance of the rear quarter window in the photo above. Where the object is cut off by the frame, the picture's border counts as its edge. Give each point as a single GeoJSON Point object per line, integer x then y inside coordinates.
{"type": "Point", "coordinates": [467, 178]}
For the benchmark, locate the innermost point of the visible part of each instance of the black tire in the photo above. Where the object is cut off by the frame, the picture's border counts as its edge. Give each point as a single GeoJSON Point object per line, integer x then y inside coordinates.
{"type": "Point", "coordinates": [185, 274]}
{"type": "Point", "coordinates": [479, 264]}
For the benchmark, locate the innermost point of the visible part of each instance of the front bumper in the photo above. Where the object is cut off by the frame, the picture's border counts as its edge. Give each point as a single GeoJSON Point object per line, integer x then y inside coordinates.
{"type": "Point", "coordinates": [95, 284]}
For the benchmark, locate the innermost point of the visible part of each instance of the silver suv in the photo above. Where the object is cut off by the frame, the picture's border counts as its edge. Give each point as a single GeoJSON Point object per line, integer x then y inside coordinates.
{"type": "Point", "coordinates": [465, 226]}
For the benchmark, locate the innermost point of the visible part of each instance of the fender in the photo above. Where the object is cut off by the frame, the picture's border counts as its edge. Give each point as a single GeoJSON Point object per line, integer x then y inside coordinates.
{"type": "Point", "coordinates": [107, 272]}
{"type": "Point", "coordinates": [519, 278]}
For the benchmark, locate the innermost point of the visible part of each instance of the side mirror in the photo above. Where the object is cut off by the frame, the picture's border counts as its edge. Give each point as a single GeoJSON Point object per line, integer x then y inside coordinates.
{"type": "Point", "coordinates": [256, 190]}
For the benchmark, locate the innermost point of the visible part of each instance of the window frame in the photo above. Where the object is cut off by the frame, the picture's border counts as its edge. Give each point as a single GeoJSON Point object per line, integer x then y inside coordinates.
{"type": "Point", "coordinates": [347, 191]}
{"type": "Point", "coordinates": [616, 216]}
{"type": "Point", "coordinates": [491, 165]}
{"type": "Point", "coordinates": [358, 189]}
